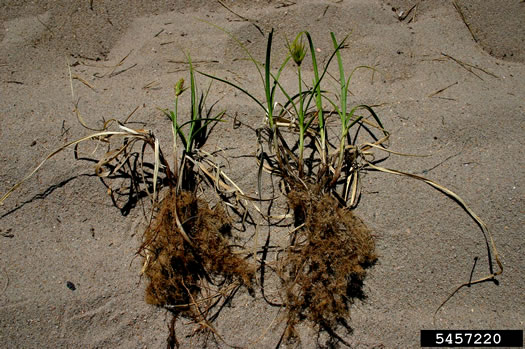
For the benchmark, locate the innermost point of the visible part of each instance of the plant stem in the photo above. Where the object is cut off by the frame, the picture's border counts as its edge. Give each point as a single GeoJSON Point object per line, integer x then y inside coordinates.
{"type": "Point", "coordinates": [174, 130]}
{"type": "Point", "coordinates": [194, 108]}
{"type": "Point", "coordinates": [342, 112]}
{"type": "Point", "coordinates": [318, 100]}
{"type": "Point", "coordinates": [268, 90]}
{"type": "Point", "coordinates": [301, 124]}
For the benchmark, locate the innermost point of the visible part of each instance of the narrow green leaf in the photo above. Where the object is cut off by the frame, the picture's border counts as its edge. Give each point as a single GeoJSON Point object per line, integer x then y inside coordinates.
{"type": "Point", "coordinates": [237, 87]}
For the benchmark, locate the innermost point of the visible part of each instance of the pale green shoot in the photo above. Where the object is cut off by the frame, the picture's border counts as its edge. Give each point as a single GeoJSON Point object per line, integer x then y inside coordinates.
{"type": "Point", "coordinates": [199, 121]}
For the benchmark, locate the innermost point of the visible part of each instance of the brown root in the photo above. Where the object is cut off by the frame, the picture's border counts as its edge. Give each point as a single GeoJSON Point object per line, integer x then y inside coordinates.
{"type": "Point", "coordinates": [324, 266]}
{"type": "Point", "coordinates": [179, 272]}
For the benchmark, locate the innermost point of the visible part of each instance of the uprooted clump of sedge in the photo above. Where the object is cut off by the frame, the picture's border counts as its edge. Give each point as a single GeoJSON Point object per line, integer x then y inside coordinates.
{"type": "Point", "coordinates": [311, 275]}
{"type": "Point", "coordinates": [188, 258]}
{"type": "Point", "coordinates": [178, 267]}
{"type": "Point", "coordinates": [324, 265]}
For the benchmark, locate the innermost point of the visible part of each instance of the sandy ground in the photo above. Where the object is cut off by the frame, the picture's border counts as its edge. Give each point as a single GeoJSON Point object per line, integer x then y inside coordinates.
{"type": "Point", "coordinates": [62, 229]}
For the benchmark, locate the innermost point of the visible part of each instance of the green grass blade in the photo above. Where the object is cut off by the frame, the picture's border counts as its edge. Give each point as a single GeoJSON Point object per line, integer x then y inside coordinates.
{"type": "Point", "coordinates": [357, 68]}
{"type": "Point", "coordinates": [208, 121]}
{"type": "Point", "coordinates": [334, 105]}
{"type": "Point", "coordinates": [182, 136]}
{"type": "Point", "coordinates": [194, 108]}
{"type": "Point", "coordinates": [276, 78]}
{"type": "Point", "coordinates": [268, 90]}
{"type": "Point", "coordinates": [309, 123]}
{"type": "Point", "coordinates": [189, 122]}
{"type": "Point", "coordinates": [290, 100]}
{"type": "Point", "coordinates": [317, 90]}
{"type": "Point", "coordinates": [236, 87]}
{"type": "Point", "coordinates": [342, 78]}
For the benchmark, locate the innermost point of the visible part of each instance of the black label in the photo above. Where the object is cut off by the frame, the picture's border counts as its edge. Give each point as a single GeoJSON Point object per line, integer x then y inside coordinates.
{"type": "Point", "coordinates": [472, 338]}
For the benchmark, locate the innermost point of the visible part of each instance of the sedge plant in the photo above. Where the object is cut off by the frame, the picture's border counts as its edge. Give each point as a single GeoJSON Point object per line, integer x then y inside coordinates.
{"type": "Point", "coordinates": [313, 196]}
{"type": "Point", "coordinates": [304, 267]}
{"type": "Point", "coordinates": [300, 101]}
{"type": "Point", "coordinates": [298, 52]}
{"type": "Point", "coordinates": [349, 119]}
{"type": "Point", "coordinates": [186, 248]}
{"type": "Point", "coordinates": [192, 133]}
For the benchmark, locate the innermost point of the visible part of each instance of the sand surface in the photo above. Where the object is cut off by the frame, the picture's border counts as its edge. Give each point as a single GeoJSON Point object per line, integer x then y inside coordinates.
{"type": "Point", "coordinates": [61, 228]}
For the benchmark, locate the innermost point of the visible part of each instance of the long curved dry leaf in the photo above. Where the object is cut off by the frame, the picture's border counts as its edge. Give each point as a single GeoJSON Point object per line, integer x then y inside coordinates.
{"type": "Point", "coordinates": [486, 233]}
{"type": "Point", "coordinates": [461, 202]}
{"type": "Point", "coordinates": [58, 150]}
{"type": "Point", "coordinates": [156, 167]}
{"type": "Point", "coordinates": [366, 146]}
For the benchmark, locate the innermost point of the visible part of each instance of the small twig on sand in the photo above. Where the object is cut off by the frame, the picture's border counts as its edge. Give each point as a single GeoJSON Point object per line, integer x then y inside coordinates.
{"type": "Point", "coordinates": [122, 71]}
{"type": "Point", "coordinates": [241, 17]}
{"type": "Point", "coordinates": [113, 67]}
{"type": "Point", "coordinates": [468, 67]}
{"type": "Point", "coordinates": [285, 4]}
{"type": "Point", "coordinates": [119, 63]}
{"type": "Point", "coordinates": [447, 98]}
{"type": "Point", "coordinates": [45, 25]}
{"type": "Point", "coordinates": [441, 90]}
{"type": "Point", "coordinates": [160, 32]}
{"type": "Point", "coordinates": [462, 15]}
{"type": "Point", "coordinates": [151, 85]}
{"type": "Point", "coordinates": [413, 19]}
{"type": "Point", "coordinates": [325, 10]}
{"type": "Point", "coordinates": [76, 55]}
{"type": "Point", "coordinates": [402, 16]}
{"type": "Point", "coordinates": [193, 61]}
{"type": "Point", "coordinates": [76, 77]}
{"type": "Point", "coordinates": [64, 130]}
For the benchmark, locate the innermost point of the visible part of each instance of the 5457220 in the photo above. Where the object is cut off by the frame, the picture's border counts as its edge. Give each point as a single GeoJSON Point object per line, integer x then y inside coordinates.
{"type": "Point", "coordinates": [472, 338]}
